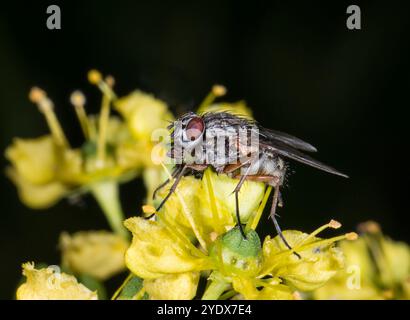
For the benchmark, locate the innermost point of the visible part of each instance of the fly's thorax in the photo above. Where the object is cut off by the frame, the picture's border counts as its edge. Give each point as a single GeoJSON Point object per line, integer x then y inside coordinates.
{"type": "Point", "coordinates": [213, 140]}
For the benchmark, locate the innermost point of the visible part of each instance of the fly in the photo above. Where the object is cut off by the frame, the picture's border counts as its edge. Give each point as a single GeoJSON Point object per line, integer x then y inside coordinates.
{"type": "Point", "coordinates": [239, 147]}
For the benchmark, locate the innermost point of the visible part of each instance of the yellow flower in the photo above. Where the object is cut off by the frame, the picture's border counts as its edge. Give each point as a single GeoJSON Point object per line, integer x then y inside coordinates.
{"type": "Point", "coordinates": [180, 286]}
{"type": "Point", "coordinates": [198, 214]}
{"type": "Point", "coordinates": [114, 151]}
{"type": "Point", "coordinates": [49, 284]}
{"type": "Point", "coordinates": [273, 271]}
{"type": "Point", "coordinates": [34, 170]}
{"type": "Point", "coordinates": [155, 252]}
{"type": "Point", "coordinates": [359, 269]}
{"type": "Point", "coordinates": [35, 160]}
{"type": "Point", "coordinates": [96, 253]}
{"type": "Point", "coordinates": [143, 114]}
{"type": "Point", "coordinates": [317, 265]}
{"type": "Point", "coordinates": [37, 196]}
{"type": "Point", "coordinates": [211, 203]}
{"type": "Point", "coordinates": [376, 268]}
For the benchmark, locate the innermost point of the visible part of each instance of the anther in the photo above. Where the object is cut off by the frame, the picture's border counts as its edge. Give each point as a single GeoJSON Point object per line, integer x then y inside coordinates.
{"type": "Point", "coordinates": [218, 90]}
{"type": "Point", "coordinates": [334, 224]}
{"type": "Point", "coordinates": [94, 76]}
{"type": "Point", "coordinates": [148, 209]}
{"type": "Point", "coordinates": [351, 236]}
{"type": "Point", "coordinates": [77, 99]}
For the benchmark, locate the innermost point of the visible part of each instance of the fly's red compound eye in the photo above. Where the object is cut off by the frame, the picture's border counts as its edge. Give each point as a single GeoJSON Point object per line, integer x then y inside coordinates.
{"type": "Point", "coordinates": [194, 128]}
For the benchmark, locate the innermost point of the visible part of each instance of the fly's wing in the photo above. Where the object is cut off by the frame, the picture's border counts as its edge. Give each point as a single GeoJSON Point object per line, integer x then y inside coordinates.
{"type": "Point", "coordinates": [288, 139]}
{"type": "Point", "coordinates": [288, 152]}
{"type": "Point", "coordinates": [229, 119]}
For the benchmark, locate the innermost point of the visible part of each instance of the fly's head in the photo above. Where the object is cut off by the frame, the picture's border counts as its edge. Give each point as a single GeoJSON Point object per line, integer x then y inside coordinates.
{"type": "Point", "coordinates": [187, 134]}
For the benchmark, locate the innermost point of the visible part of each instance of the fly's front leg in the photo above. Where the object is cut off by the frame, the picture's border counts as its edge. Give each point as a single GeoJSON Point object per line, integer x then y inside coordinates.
{"type": "Point", "coordinates": [173, 188]}
{"type": "Point", "coordinates": [171, 191]}
{"type": "Point", "coordinates": [173, 175]}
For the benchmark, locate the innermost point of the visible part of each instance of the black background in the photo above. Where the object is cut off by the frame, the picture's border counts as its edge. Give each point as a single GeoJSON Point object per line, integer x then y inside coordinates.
{"type": "Point", "coordinates": [295, 63]}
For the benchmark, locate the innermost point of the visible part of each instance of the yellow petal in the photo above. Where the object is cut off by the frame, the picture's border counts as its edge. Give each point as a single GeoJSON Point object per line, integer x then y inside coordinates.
{"type": "Point", "coordinates": [117, 131]}
{"type": "Point", "coordinates": [247, 288]}
{"type": "Point", "coordinates": [49, 284]}
{"type": "Point", "coordinates": [357, 256]}
{"type": "Point", "coordinates": [190, 190]}
{"type": "Point", "coordinates": [143, 113]}
{"type": "Point", "coordinates": [338, 289]}
{"type": "Point", "coordinates": [34, 160]}
{"type": "Point", "coordinates": [396, 268]}
{"type": "Point", "coordinates": [154, 252]}
{"type": "Point", "coordinates": [134, 154]}
{"type": "Point", "coordinates": [96, 253]}
{"type": "Point", "coordinates": [250, 196]}
{"type": "Point", "coordinates": [37, 196]}
{"type": "Point", "coordinates": [317, 265]}
{"type": "Point", "coordinates": [180, 286]}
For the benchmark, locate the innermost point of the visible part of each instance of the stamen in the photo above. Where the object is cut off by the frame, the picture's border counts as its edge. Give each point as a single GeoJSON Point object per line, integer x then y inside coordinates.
{"type": "Point", "coordinates": [332, 224]}
{"type": "Point", "coordinates": [102, 130]}
{"type": "Point", "coordinates": [351, 236]}
{"type": "Point", "coordinates": [214, 209]}
{"type": "Point", "coordinates": [302, 247]}
{"type": "Point", "coordinates": [77, 99]}
{"type": "Point", "coordinates": [46, 107]}
{"type": "Point", "coordinates": [217, 91]}
{"type": "Point", "coordinates": [180, 236]}
{"type": "Point", "coordinates": [95, 77]}
{"type": "Point", "coordinates": [253, 223]}
{"type": "Point", "coordinates": [186, 212]}
{"type": "Point", "coordinates": [110, 81]}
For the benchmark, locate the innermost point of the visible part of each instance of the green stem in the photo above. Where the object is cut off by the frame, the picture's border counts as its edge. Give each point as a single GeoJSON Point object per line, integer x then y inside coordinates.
{"type": "Point", "coordinates": [107, 195]}
{"type": "Point", "coordinates": [216, 288]}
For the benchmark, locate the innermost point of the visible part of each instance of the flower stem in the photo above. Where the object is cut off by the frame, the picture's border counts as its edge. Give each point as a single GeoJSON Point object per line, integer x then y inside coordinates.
{"type": "Point", "coordinates": [107, 196]}
{"type": "Point", "coordinates": [216, 288]}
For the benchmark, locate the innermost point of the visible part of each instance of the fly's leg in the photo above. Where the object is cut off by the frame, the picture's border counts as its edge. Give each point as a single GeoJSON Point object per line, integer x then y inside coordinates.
{"type": "Point", "coordinates": [236, 191]}
{"type": "Point", "coordinates": [173, 175]}
{"type": "Point", "coordinates": [275, 222]}
{"type": "Point", "coordinates": [280, 200]}
{"type": "Point", "coordinates": [171, 191]}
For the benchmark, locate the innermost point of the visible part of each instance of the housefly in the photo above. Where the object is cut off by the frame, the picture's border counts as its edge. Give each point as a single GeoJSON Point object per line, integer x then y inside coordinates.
{"type": "Point", "coordinates": [239, 147]}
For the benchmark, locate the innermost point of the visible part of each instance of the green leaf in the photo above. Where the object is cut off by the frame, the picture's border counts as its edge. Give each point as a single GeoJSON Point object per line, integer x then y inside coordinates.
{"type": "Point", "coordinates": [133, 286]}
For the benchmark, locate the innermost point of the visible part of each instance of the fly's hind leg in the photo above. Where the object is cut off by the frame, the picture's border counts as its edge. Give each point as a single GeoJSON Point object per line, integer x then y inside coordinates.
{"type": "Point", "coordinates": [275, 222]}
